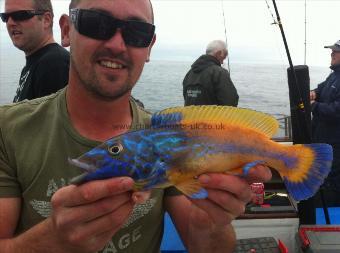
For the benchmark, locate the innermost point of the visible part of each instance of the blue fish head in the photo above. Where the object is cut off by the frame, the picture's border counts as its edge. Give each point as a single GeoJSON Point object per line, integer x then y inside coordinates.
{"type": "Point", "coordinates": [143, 155]}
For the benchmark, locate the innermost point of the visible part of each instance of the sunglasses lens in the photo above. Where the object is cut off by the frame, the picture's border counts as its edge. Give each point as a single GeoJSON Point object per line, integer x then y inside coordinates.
{"type": "Point", "coordinates": [95, 25]}
{"type": "Point", "coordinates": [138, 34]}
{"type": "Point", "coordinates": [4, 17]}
{"type": "Point", "coordinates": [17, 15]}
{"type": "Point", "coordinates": [101, 26]}
{"type": "Point", "coordinates": [22, 15]}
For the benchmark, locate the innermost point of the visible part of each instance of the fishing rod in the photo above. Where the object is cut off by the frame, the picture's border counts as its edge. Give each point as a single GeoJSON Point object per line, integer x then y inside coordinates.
{"type": "Point", "coordinates": [305, 55]}
{"type": "Point", "coordinates": [225, 34]}
{"type": "Point", "coordinates": [299, 105]}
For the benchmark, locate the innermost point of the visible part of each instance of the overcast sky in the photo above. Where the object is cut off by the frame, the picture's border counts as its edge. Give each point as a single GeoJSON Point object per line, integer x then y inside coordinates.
{"type": "Point", "coordinates": [250, 35]}
{"type": "Point", "coordinates": [184, 27]}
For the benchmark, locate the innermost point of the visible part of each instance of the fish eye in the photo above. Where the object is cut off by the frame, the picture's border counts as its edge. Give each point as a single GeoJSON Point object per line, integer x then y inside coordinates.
{"type": "Point", "coordinates": [115, 149]}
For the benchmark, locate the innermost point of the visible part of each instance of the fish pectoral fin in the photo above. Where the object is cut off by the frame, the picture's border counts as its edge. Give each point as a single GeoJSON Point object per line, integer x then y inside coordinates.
{"type": "Point", "coordinates": [201, 194]}
{"type": "Point", "coordinates": [193, 189]}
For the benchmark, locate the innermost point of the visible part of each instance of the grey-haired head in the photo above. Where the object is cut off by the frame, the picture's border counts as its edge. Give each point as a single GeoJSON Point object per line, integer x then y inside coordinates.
{"type": "Point", "coordinates": [218, 49]}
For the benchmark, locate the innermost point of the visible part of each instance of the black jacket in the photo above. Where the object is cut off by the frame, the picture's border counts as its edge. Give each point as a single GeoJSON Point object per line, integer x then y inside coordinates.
{"type": "Point", "coordinates": [207, 83]}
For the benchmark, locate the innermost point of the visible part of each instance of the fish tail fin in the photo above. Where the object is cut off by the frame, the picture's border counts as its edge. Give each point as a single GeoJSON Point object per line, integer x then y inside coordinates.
{"type": "Point", "coordinates": [313, 165]}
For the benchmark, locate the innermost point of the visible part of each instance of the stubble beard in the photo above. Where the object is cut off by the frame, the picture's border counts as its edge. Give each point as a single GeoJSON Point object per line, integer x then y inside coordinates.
{"type": "Point", "coordinates": [92, 85]}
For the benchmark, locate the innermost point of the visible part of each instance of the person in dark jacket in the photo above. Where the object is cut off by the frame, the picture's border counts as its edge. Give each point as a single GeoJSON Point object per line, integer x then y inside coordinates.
{"type": "Point", "coordinates": [29, 25]}
{"type": "Point", "coordinates": [207, 82]}
{"type": "Point", "coordinates": [325, 104]}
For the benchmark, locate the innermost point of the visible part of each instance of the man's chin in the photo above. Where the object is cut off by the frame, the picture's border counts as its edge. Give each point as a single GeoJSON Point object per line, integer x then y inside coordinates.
{"type": "Point", "coordinates": [109, 95]}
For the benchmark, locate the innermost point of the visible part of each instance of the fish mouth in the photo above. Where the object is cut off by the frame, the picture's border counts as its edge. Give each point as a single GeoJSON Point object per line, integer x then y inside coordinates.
{"type": "Point", "coordinates": [85, 166]}
{"type": "Point", "coordinates": [78, 179]}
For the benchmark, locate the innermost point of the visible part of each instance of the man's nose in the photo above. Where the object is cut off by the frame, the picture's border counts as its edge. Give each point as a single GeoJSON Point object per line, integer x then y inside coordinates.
{"type": "Point", "coordinates": [116, 43]}
{"type": "Point", "coordinates": [10, 21]}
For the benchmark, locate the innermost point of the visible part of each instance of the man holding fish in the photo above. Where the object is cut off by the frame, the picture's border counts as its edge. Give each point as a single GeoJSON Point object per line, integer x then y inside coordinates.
{"type": "Point", "coordinates": [40, 211]}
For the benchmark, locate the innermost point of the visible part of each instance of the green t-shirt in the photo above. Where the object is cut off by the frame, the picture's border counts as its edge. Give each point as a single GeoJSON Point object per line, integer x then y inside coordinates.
{"type": "Point", "coordinates": [36, 140]}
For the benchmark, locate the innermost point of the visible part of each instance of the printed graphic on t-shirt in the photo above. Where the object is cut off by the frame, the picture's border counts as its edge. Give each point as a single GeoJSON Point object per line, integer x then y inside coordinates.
{"type": "Point", "coordinates": [124, 241]}
{"type": "Point", "coordinates": [22, 83]}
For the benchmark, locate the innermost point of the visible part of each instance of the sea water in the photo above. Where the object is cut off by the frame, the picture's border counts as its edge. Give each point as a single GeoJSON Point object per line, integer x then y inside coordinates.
{"type": "Point", "coordinates": [263, 87]}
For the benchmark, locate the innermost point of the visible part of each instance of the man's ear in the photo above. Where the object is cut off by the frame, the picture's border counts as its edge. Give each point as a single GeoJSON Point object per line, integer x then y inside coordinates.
{"type": "Point", "coordinates": [48, 20]}
{"type": "Point", "coordinates": [150, 47]}
{"type": "Point", "coordinates": [64, 23]}
{"type": "Point", "coordinates": [219, 55]}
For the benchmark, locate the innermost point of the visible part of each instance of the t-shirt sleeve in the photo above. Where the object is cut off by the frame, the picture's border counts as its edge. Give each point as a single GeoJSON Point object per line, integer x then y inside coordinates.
{"type": "Point", "coordinates": [9, 185]}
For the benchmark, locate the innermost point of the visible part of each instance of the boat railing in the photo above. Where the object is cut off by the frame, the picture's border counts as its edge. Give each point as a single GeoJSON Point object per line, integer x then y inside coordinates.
{"type": "Point", "coordinates": [285, 129]}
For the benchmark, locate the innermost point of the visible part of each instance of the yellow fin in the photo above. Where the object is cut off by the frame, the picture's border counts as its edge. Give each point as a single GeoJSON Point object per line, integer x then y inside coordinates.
{"type": "Point", "coordinates": [189, 187]}
{"type": "Point", "coordinates": [248, 118]}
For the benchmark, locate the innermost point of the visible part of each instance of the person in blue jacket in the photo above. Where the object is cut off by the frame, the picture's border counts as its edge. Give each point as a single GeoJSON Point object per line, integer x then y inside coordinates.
{"type": "Point", "coordinates": [325, 105]}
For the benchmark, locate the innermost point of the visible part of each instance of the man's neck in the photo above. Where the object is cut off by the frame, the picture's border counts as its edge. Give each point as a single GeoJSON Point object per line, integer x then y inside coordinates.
{"type": "Point", "coordinates": [96, 119]}
{"type": "Point", "coordinates": [48, 40]}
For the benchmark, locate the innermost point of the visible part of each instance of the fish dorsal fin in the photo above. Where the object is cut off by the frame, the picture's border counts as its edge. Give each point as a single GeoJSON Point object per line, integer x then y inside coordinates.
{"type": "Point", "coordinates": [255, 120]}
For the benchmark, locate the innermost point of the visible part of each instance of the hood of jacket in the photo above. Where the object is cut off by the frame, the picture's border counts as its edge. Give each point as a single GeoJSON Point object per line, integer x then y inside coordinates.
{"type": "Point", "coordinates": [203, 62]}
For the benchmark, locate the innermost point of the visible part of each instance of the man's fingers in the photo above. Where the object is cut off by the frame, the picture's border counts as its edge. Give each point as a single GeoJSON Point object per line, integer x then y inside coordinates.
{"type": "Point", "coordinates": [259, 174]}
{"type": "Point", "coordinates": [86, 213]}
{"type": "Point", "coordinates": [221, 203]}
{"type": "Point", "coordinates": [100, 229]}
{"type": "Point", "coordinates": [224, 182]}
{"type": "Point", "coordinates": [141, 197]}
{"type": "Point", "coordinates": [312, 95]}
{"type": "Point", "coordinates": [74, 195]}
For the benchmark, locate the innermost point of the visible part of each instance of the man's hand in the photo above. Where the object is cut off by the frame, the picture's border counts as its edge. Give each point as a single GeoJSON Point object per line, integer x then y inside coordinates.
{"type": "Point", "coordinates": [227, 196]}
{"type": "Point", "coordinates": [85, 217]}
{"type": "Point", "coordinates": [312, 96]}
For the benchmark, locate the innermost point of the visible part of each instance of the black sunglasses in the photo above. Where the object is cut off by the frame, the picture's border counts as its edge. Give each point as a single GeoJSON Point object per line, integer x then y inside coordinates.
{"type": "Point", "coordinates": [20, 15]}
{"type": "Point", "coordinates": [102, 26]}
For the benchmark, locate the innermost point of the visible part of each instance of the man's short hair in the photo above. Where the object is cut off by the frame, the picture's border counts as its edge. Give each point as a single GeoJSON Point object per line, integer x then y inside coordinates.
{"type": "Point", "coordinates": [215, 46]}
{"type": "Point", "coordinates": [74, 4]}
{"type": "Point", "coordinates": [45, 5]}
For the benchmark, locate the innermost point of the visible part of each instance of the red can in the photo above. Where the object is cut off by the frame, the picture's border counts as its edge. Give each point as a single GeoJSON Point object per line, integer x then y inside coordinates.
{"type": "Point", "coordinates": [258, 190]}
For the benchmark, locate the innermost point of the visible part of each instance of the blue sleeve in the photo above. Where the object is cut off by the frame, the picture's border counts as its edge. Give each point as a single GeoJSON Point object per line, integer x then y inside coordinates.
{"type": "Point", "coordinates": [320, 87]}
{"type": "Point", "coordinates": [330, 110]}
